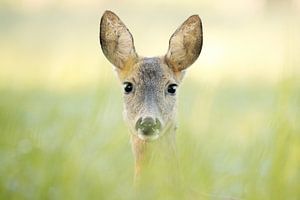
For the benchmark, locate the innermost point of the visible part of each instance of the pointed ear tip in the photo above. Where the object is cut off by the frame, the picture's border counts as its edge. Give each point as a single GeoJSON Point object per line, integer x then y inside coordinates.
{"type": "Point", "coordinates": [109, 14]}
{"type": "Point", "coordinates": [194, 18]}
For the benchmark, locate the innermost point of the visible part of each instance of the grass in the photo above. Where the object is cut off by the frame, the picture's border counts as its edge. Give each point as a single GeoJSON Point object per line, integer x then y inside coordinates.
{"type": "Point", "coordinates": [61, 127]}
{"type": "Point", "coordinates": [239, 142]}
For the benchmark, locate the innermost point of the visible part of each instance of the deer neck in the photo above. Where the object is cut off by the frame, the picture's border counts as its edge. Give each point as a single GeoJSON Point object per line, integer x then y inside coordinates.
{"type": "Point", "coordinates": [149, 153]}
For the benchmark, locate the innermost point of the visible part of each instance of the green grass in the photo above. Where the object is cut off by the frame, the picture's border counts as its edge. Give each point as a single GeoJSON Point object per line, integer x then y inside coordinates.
{"type": "Point", "coordinates": [238, 142]}
{"type": "Point", "coordinates": [62, 135]}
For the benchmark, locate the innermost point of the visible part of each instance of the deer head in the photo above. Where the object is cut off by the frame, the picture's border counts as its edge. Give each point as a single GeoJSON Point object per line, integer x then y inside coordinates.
{"type": "Point", "coordinates": [150, 84]}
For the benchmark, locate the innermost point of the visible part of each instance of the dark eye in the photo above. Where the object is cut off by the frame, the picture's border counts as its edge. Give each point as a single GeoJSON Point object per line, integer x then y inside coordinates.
{"type": "Point", "coordinates": [128, 87]}
{"type": "Point", "coordinates": [172, 89]}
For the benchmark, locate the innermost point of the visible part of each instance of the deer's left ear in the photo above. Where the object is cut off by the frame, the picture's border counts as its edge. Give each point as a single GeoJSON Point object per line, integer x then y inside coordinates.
{"type": "Point", "coordinates": [185, 44]}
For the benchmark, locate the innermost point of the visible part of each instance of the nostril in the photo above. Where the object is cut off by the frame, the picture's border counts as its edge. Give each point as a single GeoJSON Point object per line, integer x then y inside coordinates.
{"type": "Point", "coordinates": [157, 124]}
{"type": "Point", "coordinates": [138, 123]}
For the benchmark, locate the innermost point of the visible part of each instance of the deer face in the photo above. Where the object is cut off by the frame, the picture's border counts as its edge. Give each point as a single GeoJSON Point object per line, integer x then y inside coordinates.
{"type": "Point", "coordinates": [150, 84]}
{"type": "Point", "coordinates": [150, 98]}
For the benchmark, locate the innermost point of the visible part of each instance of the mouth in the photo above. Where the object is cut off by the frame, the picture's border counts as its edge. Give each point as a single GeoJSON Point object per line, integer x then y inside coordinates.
{"type": "Point", "coordinates": [148, 137]}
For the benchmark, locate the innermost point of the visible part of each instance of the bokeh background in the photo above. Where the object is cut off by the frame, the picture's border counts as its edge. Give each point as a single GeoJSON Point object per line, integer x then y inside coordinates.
{"type": "Point", "coordinates": [62, 135]}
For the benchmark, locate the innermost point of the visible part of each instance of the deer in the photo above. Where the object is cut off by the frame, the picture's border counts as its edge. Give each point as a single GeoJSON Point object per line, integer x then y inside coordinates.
{"type": "Point", "coordinates": [150, 84]}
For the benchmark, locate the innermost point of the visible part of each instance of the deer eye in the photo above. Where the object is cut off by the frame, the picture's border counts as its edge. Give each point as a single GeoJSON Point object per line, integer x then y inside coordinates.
{"type": "Point", "coordinates": [172, 89]}
{"type": "Point", "coordinates": [128, 87]}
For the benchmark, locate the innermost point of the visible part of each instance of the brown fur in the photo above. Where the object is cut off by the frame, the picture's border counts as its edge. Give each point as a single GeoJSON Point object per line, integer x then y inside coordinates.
{"type": "Point", "coordinates": [150, 78]}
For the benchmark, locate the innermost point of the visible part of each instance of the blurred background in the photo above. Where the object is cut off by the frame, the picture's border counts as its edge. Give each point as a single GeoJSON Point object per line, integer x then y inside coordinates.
{"type": "Point", "coordinates": [61, 126]}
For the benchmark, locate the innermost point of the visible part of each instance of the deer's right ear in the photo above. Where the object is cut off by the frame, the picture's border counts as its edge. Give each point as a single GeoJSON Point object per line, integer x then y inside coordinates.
{"type": "Point", "coordinates": [116, 40]}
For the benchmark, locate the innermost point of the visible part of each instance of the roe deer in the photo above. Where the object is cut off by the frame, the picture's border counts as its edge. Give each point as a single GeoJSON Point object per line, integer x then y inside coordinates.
{"type": "Point", "coordinates": [150, 84]}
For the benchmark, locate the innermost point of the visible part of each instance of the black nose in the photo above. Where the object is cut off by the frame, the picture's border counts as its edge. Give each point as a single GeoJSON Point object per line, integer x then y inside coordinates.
{"type": "Point", "coordinates": [148, 125]}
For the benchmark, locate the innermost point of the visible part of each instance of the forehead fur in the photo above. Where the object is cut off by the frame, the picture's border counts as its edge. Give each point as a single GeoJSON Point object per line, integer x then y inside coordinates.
{"type": "Point", "coordinates": [151, 70]}
{"type": "Point", "coordinates": [148, 69]}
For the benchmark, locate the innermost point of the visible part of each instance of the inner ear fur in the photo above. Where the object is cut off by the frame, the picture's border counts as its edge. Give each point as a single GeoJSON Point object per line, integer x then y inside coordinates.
{"type": "Point", "coordinates": [185, 44]}
{"type": "Point", "coordinates": [116, 41]}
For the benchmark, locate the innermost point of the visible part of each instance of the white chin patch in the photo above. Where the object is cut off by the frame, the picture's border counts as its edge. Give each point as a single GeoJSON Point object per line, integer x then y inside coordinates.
{"type": "Point", "coordinates": [152, 137]}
